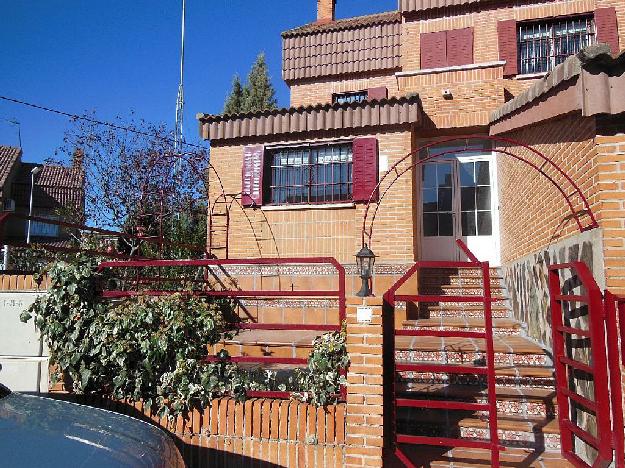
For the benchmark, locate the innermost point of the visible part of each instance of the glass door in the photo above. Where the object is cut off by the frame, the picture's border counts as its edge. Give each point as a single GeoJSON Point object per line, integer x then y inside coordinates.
{"type": "Point", "coordinates": [458, 201]}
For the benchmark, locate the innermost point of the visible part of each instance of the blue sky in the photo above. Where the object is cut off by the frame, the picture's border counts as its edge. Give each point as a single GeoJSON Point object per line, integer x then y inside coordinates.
{"type": "Point", "coordinates": [118, 56]}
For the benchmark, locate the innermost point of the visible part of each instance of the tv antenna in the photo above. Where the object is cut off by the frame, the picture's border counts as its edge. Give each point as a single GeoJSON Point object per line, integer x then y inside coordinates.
{"type": "Point", "coordinates": [178, 130]}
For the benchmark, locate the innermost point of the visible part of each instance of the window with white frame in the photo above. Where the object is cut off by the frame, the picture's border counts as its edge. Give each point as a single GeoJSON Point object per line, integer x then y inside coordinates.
{"type": "Point", "coordinates": [545, 44]}
{"type": "Point", "coordinates": [310, 174]}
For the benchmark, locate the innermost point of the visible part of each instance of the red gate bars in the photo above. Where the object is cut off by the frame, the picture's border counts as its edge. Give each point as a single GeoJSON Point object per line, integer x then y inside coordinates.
{"type": "Point", "coordinates": [339, 293]}
{"type": "Point", "coordinates": [391, 297]}
{"type": "Point", "coordinates": [603, 366]}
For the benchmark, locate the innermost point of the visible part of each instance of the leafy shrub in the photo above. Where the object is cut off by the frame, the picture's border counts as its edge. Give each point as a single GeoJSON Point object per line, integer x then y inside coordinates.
{"type": "Point", "coordinates": [321, 380]}
{"type": "Point", "coordinates": [152, 348]}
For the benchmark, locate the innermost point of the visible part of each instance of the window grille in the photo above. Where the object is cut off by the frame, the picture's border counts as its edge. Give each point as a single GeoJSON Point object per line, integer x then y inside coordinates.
{"type": "Point", "coordinates": [348, 98]}
{"type": "Point", "coordinates": [543, 45]}
{"type": "Point", "coordinates": [314, 174]}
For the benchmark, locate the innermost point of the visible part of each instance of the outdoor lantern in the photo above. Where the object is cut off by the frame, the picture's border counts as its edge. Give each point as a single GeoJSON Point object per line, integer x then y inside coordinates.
{"type": "Point", "coordinates": [365, 259]}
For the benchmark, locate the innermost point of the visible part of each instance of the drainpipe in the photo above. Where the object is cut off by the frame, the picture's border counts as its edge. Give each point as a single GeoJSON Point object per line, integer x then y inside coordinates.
{"type": "Point", "coordinates": [33, 173]}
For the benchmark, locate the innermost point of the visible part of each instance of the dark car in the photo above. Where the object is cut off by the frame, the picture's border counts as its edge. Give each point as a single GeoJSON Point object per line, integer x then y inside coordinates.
{"type": "Point", "coordinates": [42, 432]}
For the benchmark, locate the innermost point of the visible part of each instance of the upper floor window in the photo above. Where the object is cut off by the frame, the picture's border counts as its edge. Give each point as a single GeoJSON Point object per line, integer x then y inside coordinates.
{"type": "Point", "coordinates": [310, 174]}
{"type": "Point", "coordinates": [355, 96]}
{"type": "Point", "coordinates": [545, 44]}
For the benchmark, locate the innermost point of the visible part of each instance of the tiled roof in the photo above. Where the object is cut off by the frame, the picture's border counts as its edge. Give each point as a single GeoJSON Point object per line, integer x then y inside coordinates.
{"type": "Point", "coordinates": [409, 6]}
{"type": "Point", "coordinates": [54, 186]}
{"type": "Point", "coordinates": [8, 156]}
{"type": "Point", "coordinates": [393, 111]}
{"type": "Point", "coordinates": [356, 45]}
{"type": "Point", "coordinates": [595, 57]}
{"type": "Point", "coordinates": [355, 22]}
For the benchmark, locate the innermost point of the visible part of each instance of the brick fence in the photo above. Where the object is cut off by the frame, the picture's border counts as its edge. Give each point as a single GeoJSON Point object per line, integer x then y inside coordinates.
{"type": "Point", "coordinates": [284, 432]}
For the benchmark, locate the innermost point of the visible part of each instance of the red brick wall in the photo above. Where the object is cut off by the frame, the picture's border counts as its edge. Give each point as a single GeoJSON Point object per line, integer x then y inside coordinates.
{"type": "Point", "coordinates": [322, 231]}
{"type": "Point", "coordinates": [533, 213]}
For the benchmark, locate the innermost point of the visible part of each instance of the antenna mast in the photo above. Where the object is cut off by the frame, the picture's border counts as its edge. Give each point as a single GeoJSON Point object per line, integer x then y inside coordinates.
{"type": "Point", "coordinates": [178, 135]}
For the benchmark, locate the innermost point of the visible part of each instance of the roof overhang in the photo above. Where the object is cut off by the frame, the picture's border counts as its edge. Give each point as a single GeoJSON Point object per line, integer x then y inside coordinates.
{"type": "Point", "coordinates": [591, 82]}
{"type": "Point", "coordinates": [403, 111]}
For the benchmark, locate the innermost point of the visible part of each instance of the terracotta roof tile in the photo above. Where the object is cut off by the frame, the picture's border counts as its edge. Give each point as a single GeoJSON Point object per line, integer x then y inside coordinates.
{"type": "Point", "coordinates": [410, 6]}
{"type": "Point", "coordinates": [347, 23]}
{"type": "Point", "coordinates": [8, 156]}
{"type": "Point", "coordinates": [393, 111]}
{"type": "Point", "coordinates": [54, 186]}
{"type": "Point", "coordinates": [355, 45]}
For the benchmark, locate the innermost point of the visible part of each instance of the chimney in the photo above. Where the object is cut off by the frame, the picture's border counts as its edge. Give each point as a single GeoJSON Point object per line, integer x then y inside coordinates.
{"type": "Point", "coordinates": [326, 11]}
{"type": "Point", "coordinates": [78, 158]}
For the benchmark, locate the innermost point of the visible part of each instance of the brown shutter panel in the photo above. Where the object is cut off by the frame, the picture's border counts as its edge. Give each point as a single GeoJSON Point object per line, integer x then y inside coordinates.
{"type": "Point", "coordinates": [365, 169]}
{"type": "Point", "coordinates": [433, 50]}
{"type": "Point", "coordinates": [377, 93]}
{"type": "Point", "coordinates": [252, 175]}
{"type": "Point", "coordinates": [508, 48]}
{"type": "Point", "coordinates": [607, 27]}
{"type": "Point", "coordinates": [460, 46]}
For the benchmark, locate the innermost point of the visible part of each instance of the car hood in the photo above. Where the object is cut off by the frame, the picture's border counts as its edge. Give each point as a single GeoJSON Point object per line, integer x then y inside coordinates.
{"type": "Point", "coordinates": [41, 432]}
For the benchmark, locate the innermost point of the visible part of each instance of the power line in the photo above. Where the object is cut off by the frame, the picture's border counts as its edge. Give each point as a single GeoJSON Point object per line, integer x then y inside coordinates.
{"type": "Point", "coordinates": [95, 121]}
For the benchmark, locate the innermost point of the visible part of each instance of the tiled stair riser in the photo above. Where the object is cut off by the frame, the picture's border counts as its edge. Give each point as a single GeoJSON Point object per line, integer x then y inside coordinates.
{"type": "Point", "coordinates": [496, 331]}
{"type": "Point", "coordinates": [507, 381]}
{"type": "Point", "coordinates": [471, 358]}
{"type": "Point", "coordinates": [515, 438]}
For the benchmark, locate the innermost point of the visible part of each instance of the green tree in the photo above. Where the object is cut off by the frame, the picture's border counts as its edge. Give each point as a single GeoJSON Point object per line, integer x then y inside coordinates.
{"type": "Point", "coordinates": [259, 94]}
{"type": "Point", "coordinates": [234, 101]}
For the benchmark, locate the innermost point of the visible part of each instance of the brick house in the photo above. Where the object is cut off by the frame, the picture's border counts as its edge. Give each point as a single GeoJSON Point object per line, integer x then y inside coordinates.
{"type": "Point", "coordinates": [58, 193]}
{"type": "Point", "coordinates": [367, 91]}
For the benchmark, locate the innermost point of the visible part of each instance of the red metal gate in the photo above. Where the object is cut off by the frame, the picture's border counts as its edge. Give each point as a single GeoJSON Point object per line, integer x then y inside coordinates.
{"type": "Point", "coordinates": [575, 295]}
{"type": "Point", "coordinates": [390, 299]}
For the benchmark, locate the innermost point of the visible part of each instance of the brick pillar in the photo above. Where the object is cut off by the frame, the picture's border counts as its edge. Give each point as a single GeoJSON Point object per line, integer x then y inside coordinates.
{"type": "Point", "coordinates": [364, 435]}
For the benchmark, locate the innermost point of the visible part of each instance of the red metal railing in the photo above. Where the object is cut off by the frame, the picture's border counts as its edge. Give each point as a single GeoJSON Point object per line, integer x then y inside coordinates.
{"type": "Point", "coordinates": [338, 293]}
{"type": "Point", "coordinates": [603, 365]}
{"type": "Point", "coordinates": [390, 298]}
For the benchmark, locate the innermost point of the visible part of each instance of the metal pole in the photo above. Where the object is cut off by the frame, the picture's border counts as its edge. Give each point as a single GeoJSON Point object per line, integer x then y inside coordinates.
{"type": "Point", "coordinates": [34, 171]}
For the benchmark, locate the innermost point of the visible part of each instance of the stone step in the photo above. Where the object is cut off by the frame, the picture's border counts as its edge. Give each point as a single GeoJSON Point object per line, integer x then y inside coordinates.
{"type": "Point", "coordinates": [507, 326]}
{"type": "Point", "coordinates": [534, 402]}
{"type": "Point", "coordinates": [505, 375]}
{"type": "Point", "coordinates": [445, 457]}
{"type": "Point", "coordinates": [458, 281]}
{"type": "Point", "coordinates": [537, 433]}
{"type": "Point", "coordinates": [467, 309]}
{"type": "Point", "coordinates": [512, 350]}
{"type": "Point", "coordinates": [461, 290]}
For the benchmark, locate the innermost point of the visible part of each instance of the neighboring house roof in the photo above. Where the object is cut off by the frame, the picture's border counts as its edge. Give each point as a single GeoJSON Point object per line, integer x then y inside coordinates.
{"type": "Point", "coordinates": [393, 111]}
{"type": "Point", "coordinates": [601, 90]}
{"type": "Point", "coordinates": [55, 186]}
{"type": "Point", "coordinates": [409, 6]}
{"type": "Point", "coordinates": [9, 155]}
{"type": "Point", "coordinates": [356, 45]}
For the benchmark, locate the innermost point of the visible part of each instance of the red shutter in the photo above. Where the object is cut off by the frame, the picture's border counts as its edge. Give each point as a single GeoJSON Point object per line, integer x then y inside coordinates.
{"type": "Point", "coordinates": [508, 47]}
{"type": "Point", "coordinates": [377, 93]}
{"type": "Point", "coordinates": [460, 46]}
{"type": "Point", "coordinates": [433, 50]}
{"type": "Point", "coordinates": [607, 27]}
{"type": "Point", "coordinates": [252, 175]}
{"type": "Point", "coordinates": [365, 169]}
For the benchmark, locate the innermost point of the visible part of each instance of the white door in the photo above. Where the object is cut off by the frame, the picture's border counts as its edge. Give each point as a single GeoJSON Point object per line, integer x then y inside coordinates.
{"type": "Point", "coordinates": [459, 201]}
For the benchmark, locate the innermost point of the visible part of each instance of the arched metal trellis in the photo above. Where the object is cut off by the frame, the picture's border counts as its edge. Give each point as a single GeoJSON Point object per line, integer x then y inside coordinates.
{"type": "Point", "coordinates": [568, 193]}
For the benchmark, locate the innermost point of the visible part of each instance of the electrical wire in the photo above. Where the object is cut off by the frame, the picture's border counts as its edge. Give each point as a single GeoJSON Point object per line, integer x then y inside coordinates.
{"type": "Point", "coordinates": [94, 121]}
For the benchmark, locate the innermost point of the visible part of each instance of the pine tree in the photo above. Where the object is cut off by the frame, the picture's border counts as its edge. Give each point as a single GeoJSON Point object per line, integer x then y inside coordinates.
{"type": "Point", "coordinates": [234, 101]}
{"type": "Point", "coordinates": [258, 93]}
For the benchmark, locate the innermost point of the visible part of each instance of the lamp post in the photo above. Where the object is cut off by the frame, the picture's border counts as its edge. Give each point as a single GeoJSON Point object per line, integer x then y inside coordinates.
{"type": "Point", "coordinates": [33, 173]}
{"type": "Point", "coordinates": [365, 259]}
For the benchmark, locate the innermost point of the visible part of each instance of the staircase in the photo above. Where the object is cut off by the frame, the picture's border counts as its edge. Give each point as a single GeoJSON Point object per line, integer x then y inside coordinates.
{"type": "Point", "coordinates": [524, 378]}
